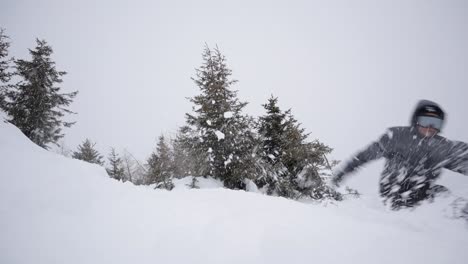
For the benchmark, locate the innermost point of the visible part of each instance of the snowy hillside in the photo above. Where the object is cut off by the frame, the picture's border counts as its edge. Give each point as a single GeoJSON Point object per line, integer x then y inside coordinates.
{"type": "Point", "coordinates": [58, 210]}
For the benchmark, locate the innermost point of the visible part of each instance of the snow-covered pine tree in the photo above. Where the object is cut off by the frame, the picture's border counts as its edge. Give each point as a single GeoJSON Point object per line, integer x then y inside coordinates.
{"type": "Point", "coordinates": [181, 159]}
{"type": "Point", "coordinates": [247, 163]}
{"type": "Point", "coordinates": [160, 166]}
{"type": "Point", "coordinates": [35, 105]}
{"type": "Point", "coordinates": [295, 162]}
{"type": "Point", "coordinates": [5, 74]}
{"type": "Point", "coordinates": [271, 129]}
{"type": "Point", "coordinates": [116, 169]}
{"type": "Point", "coordinates": [294, 145]}
{"type": "Point", "coordinates": [4, 60]}
{"type": "Point", "coordinates": [305, 162]}
{"type": "Point", "coordinates": [217, 120]}
{"type": "Point", "coordinates": [153, 171]}
{"type": "Point", "coordinates": [86, 152]}
{"type": "Point", "coordinates": [188, 159]}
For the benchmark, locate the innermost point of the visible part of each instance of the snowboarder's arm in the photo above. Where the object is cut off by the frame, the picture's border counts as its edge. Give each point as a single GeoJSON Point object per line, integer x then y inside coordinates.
{"type": "Point", "coordinates": [458, 158]}
{"type": "Point", "coordinates": [374, 151]}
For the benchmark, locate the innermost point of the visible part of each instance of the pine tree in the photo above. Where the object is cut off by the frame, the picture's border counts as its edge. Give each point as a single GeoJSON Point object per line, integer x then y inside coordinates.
{"type": "Point", "coordinates": [306, 162]}
{"type": "Point", "coordinates": [295, 165]}
{"type": "Point", "coordinates": [217, 121]}
{"type": "Point", "coordinates": [272, 129]}
{"type": "Point", "coordinates": [188, 159]}
{"type": "Point", "coordinates": [35, 105]}
{"type": "Point", "coordinates": [181, 159]}
{"type": "Point", "coordinates": [160, 166]}
{"type": "Point", "coordinates": [247, 163]}
{"type": "Point", "coordinates": [86, 152]}
{"type": "Point", "coordinates": [5, 74]}
{"type": "Point", "coordinates": [116, 169]}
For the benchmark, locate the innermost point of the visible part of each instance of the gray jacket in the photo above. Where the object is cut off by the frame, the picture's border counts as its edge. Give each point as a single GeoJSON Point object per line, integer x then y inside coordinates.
{"type": "Point", "coordinates": [413, 162]}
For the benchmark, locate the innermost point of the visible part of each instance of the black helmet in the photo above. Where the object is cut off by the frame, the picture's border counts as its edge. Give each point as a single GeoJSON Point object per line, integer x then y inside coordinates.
{"type": "Point", "coordinates": [427, 108]}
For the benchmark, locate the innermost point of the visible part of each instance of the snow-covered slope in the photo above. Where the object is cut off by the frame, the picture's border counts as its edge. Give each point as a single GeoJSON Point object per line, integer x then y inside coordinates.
{"type": "Point", "coordinates": [58, 210]}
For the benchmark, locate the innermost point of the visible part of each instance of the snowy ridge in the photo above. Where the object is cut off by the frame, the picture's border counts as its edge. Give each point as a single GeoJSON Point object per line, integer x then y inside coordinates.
{"type": "Point", "coordinates": [58, 210]}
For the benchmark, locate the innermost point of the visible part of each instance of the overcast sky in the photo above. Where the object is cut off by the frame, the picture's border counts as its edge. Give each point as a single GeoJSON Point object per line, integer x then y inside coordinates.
{"type": "Point", "coordinates": [348, 69]}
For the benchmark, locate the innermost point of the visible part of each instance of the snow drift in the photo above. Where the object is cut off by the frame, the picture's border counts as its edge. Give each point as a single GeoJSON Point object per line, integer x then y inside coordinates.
{"type": "Point", "coordinates": [58, 210]}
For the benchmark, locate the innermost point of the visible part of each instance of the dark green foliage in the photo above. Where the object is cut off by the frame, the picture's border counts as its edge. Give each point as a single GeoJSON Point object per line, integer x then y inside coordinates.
{"type": "Point", "coordinates": [86, 152]}
{"type": "Point", "coordinates": [160, 166]}
{"type": "Point", "coordinates": [4, 61]}
{"type": "Point", "coordinates": [221, 142]}
{"type": "Point", "coordinates": [245, 162]}
{"type": "Point", "coordinates": [35, 105]}
{"type": "Point", "coordinates": [217, 133]}
{"type": "Point", "coordinates": [189, 159]}
{"type": "Point", "coordinates": [116, 169]}
{"type": "Point", "coordinates": [5, 74]}
{"type": "Point", "coordinates": [180, 159]}
{"type": "Point", "coordinates": [272, 128]}
{"type": "Point", "coordinates": [296, 164]}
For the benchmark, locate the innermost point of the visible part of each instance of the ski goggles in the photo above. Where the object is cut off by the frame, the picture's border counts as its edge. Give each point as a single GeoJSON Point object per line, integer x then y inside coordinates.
{"type": "Point", "coordinates": [430, 121]}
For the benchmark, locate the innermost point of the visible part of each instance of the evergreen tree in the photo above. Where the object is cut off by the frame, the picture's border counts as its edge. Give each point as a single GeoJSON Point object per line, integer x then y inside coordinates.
{"type": "Point", "coordinates": [247, 163]}
{"type": "Point", "coordinates": [181, 159]}
{"type": "Point", "coordinates": [217, 121]}
{"type": "Point", "coordinates": [160, 166]}
{"type": "Point", "coordinates": [35, 105]}
{"type": "Point", "coordinates": [272, 128]}
{"type": "Point", "coordinates": [86, 152]}
{"type": "Point", "coordinates": [188, 159]}
{"type": "Point", "coordinates": [5, 75]}
{"type": "Point", "coordinates": [306, 163]}
{"type": "Point", "coordinates": [296, 165]}
{"type": "Point", "coordinates": [116, 169]}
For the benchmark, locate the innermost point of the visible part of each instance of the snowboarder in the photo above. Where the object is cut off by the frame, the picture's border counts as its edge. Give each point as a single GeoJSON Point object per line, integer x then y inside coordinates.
{"type": "Point", "coordinates": [415, 156]}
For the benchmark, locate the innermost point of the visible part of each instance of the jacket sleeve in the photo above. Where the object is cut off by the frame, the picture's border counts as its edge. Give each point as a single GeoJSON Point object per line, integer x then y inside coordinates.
{"type": "Point", "coordinates": [457, 159]}
{"type": "Point", "coordinates": [374, 151]}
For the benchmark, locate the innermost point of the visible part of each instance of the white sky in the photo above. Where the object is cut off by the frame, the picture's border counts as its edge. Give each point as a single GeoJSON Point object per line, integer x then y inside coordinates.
{"type": "Point", "coordinates": [348, 69]}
